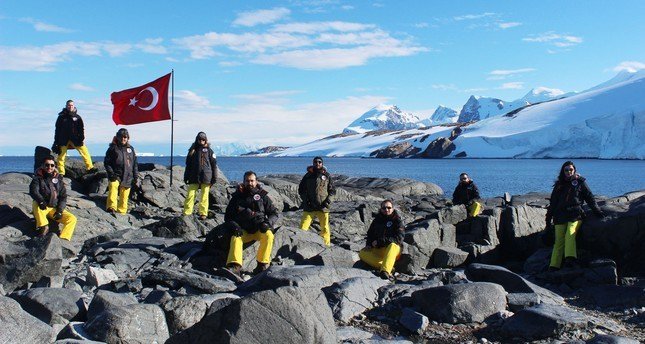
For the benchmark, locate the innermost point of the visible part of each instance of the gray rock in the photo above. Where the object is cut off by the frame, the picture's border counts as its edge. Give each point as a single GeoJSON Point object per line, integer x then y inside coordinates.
{"type": "Point", "coordinates": [520, 226]}
{"type": "Point", "coordinates": [350, 334]}
{"type": "Point", "coordinates": [286, 315]}
{"type": "Point", "coordinates": [75, 331]}
{"type": "Point", "coordinates": [97, 276]}
{"type": "Point", "coordinates": [353, 296]}
{"type": "Point", "coordinates": [414, 322]}
{"type": "Point", "coordinates": [18, 326]}
{"type": "Point", "coordinates": [184, 227]}
{"type": "Point", "coordinates": [616, 296]}
{"type": "Point", "coordinates": [452, 215]}
{"type": "Point", "coordinates": [140, 323]}
{"type": "Point", "coordinates": [461, 303]}
{"type": "Point", "coordinates": [176, 278]}
{"type": "Point", "coordinates": [519, 301]}
{"type": "Point", "coordinates": [449, 257]}
{"type": "Point", "coordinates": [609, 339]}
{"type": "Point", "coordinates": [544, 320]}
{"type": "Point", "coordinates": [335, 256]}
{"type": "Point", "coordinates": [382, 188]}
{"type": "Point", "coordinates": [44, 258]}
{"type": "Point", "coordinates": [52, 305]}
{"type": "Point", "coordinates": [105, 299]}
{"type": "Point", "coordinates": [219, 301]}
{"type": "Point", "coordinates": [421, 242]}
{"type": "Point", "coordinates": [183, 312]}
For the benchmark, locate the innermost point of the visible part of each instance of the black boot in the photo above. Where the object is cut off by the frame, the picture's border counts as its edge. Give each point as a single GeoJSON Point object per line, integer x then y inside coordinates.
{"type": "Point", "coordinates": [235, 269]}
{"type": "Point", "coordinates": [42, 231]}
{"type": "Point", "coordinates": [260, 268]}
{"type": "Point", "coordinates": [571, 263]}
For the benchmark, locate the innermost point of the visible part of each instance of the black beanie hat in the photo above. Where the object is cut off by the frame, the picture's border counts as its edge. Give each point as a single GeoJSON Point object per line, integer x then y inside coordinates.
{"type": "Point", "coordinates": [201, 135]}
{"type": "Point", "coordinates": [317, 158]}
{"type": "Point", "coordinates": [123, 132]}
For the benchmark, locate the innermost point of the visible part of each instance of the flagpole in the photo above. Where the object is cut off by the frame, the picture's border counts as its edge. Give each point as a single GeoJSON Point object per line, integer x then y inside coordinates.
{"type": "Point", "coordinates": [172, 118]}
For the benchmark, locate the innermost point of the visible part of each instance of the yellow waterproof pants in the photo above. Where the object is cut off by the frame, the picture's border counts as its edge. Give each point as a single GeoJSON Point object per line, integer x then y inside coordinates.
{"type": "Point", "coordinates": [237, 245]}
{"type": "Point", "coordinates": [42, 219]}
{"type": "Point", "coordinates": [382, 258]}
{"type": "Point", "coordinates": [474, 209]}
{"type": "Point", "coordinates": [82, 150]}
{"type": "Point", "coordinates": [565, 242]}
{"type": "Point", "coordinates": [203, 201]}
{"type": "Point", "coordinates": [323, 218]}
{"type": "Point", "coordinates": [122, 193]}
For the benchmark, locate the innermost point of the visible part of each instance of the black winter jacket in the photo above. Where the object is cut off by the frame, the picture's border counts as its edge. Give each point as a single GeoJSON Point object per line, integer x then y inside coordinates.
{"type": "Point", "coordinates": [201, 165]}
{"type": "Point", "coordinates": [465, 193]}
{"type": "Point", "coordinates": [121, 164]}
{"type": "Point", "coordinates": [386, 230]}
{"type": "Point", "coordinates": [69, 127]}
{"type": "Point", "coordinates": [48, 188]}
{"type": "Point", "coordinates": [567, 198]}
{"type": "Point", "coordinates": [250, 208]}
{"type": "Point", "coordinates": [316, 190]}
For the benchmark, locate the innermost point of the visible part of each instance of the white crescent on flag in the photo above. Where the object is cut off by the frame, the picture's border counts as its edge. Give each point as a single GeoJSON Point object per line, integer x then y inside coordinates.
{"type": "Point", "coordinates": [155, 98]}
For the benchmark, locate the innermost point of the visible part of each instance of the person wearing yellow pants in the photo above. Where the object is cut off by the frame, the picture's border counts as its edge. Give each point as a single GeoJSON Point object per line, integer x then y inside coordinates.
{"type": "Point", "coordinates": [316, 189]}
{"type": "Point", "coordinates": [70, 134]}
{"type": "Point", "coordinates": [467, 193]}
{"type": "Point", "coordinates": [252, 216]}
{"type": "Point", "coordinates": [384, 240]}
{"type": "Point", "coordinates": [122, 170]}
{"type": "Point", "coordinates": [565, 210]}
{"type": "Point", "coordinates": [200, 174]}
{"type": "Point", "coordinates": [49, 195]}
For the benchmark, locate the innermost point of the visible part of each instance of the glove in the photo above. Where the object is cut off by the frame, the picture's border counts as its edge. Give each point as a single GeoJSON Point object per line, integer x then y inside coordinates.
{"type": "Point", "coordinates": [58, 215]}
{"type": "Point", "coordinates": [56, 148]}
{"type": "Point", "coordinates": [236, 230]}
{"type": "Point", "coordinates": [42, 205]}
{"type": "Point", "coordinates": [264, 227]}
{"type": "Point", "coordinates": [113, 178]}
{"type": "Point", "coordinates": [247, 212]}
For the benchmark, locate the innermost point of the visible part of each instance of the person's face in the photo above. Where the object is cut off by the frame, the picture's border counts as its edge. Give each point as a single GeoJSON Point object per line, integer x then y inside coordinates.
{"type": "Point", "coordinates": [387, 208]}
{"type": "Point", "coordinates": [318, 163]}
{"type": "Point", "coordinates": [569, 170]}
{"type": "Point", "coordinates": [70, 106]}
{"type": "Point", "coordinates": [201, 141]}
{"type": "Point", "coordinates": [124, 140]}
{"type": "Point", "coordinates": [464, 179]}
{"type": "Point", "coordinates": [49, 166]}
{"type": "Point", "coordinates": [251, 181]}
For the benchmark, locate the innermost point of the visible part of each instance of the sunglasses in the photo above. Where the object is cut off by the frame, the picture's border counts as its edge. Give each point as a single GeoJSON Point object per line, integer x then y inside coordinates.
{"type": "Point", "coordinates": [49, 165]}
{"type": "Point", "coordinates": [317, 162]}
{"type": "Point", "coordinates": [568, 170]}
{"type": "Point", "coordinates": [386, 207]}
{"type": "Point", "coordinates": [466, 178]}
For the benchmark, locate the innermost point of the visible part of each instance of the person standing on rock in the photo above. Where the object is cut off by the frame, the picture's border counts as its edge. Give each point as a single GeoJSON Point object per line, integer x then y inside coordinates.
{"type": "Point", "coordinates": [70, 134]}
{"type": "Point", "coordinates": [384, 240]}
{"type": "Point", "coordinates": [316, 190]}
{"type": "Point", "coordinates": [252, 216]}
{"type": "Point", "coordinates": [49, 195]}
{"type": "Point", "coordinates": [200, 173]}
{"type": "Point", "coordinates": [122, 170]}
{"type": "Point", "coordinates": [467, 193]}
{"type": "Point", "coordinates": [570, 190]}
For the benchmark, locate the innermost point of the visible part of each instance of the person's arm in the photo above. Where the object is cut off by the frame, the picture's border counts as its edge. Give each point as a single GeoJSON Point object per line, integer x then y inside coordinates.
{"type": "Point", "coordinates": [188, 168]}
{"type": "Point", "coordinates": [34, 191]}
{"type": "Point", "coordinates": [62, 197]}
{"type": "Point", "coordinates": [270, 212]}
{"type": "Point", "coordinates": [588, 196]}
{"type": "Point", "coordinates": [302, 188]}
{"type": "Point", "coordinates": [475, 191]}
{"type": "Point", "coordinates": [81, 128]}
{"type": "Point", "coordinates": [400, 233]}
{"type": "Point", "coordinates": [58, 132]}
{"type": "Point", "coordinates": [213, 167]}
{"type": "Point", "coordinates": [455, 195]}
{"type": "Point", "coordinates": [231, 209]}
{"type": "Point", "coordinates": [553, 200]}
{"type": "Point", "coordinates": [108, 163]}
{"type": "Point", "coordinates": [135, 168]}
{"type": "Point", "coordinates": [371, 234]}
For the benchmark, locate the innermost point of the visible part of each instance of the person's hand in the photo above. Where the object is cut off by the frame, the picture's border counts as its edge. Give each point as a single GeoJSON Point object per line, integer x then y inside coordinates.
{"type": "Point", "coordinates": [42, 205]}
{"type": "Point", "coordinates": [264, 227]}
{"type": "Point", "coordinates": [236, 230]}
{"type": "Point", "coordinates": [374, 243]}
{"type": "Point", "coordinates": [58, 215]}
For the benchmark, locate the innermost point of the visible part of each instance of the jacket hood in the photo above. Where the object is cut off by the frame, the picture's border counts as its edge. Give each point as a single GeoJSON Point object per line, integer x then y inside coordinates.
{"type": "Point", "coordinates": [243, 189]}
{"type": "Point", "coordinates": [67, 112]}
{"type": "Point", "coordinates": [312, 169]}
{"type": "Point", "coordinates": [115, 142]}
{"type": "Point", "coordinates": [394, 216]}
{"type": "Point", "coordinates": [41, 172]}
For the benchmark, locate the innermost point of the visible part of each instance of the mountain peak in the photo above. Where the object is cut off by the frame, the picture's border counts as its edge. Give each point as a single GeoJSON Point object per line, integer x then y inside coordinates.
{"type": "Point", "coordinates": [383, 117]}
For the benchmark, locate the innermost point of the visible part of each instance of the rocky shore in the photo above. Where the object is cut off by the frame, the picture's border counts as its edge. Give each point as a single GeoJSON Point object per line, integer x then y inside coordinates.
{"type": "Point", "coordinates": [154, 276]}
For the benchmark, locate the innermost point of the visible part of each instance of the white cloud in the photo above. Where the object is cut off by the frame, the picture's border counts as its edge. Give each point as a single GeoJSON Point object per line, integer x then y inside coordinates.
{"type": "Point", "coordinates": [473, 16]}
{"type": "Point", "coordinates": [152, 46]}
{"type": "Point", "coordinates": [444, 87]}
{"type": "Point", "coordinates": [202, 46]}
{"type": "Point", "coordinates": [555, 39]}
{"type": "Point", "coordinates": [630, 66]}
{"type": "Point", "coordinates": [186, 99]}
{"type": "Point", "coordinates": [512, 85]}
{"type": "Point", "coordinates": [421, 25]}
{"type": "Point", "coordinates": [44, 27]}
{"type": "Point", "coordinates": [500, 74]}
{"type": "Point", "coordinates": [508, 25]}
{"type": "Point", "coordinates": [317, 27]}
{"type": "Point", "coordinates": [80, 87]}
{"type": "Point", "coordinates": [253, 18]}
{"type": "Point", "coordinates": [347, 7]}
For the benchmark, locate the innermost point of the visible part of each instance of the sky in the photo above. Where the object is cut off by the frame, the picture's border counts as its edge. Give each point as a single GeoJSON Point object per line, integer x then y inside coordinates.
{"type": "Point", "coordinates": [289, 72]}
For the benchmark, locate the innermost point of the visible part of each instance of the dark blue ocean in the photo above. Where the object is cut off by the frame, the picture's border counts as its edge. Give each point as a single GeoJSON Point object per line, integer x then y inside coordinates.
{"type": "Point", "coordinates": [493, 176]}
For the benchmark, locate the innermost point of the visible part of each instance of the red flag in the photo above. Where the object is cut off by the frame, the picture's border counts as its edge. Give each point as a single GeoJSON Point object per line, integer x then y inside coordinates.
{"type": "Point", "coordinates": [146, 103]}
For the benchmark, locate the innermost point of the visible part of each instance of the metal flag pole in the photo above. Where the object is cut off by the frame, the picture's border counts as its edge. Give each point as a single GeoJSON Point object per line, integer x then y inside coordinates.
{"type": "Point", "coordinates": [172, 118]}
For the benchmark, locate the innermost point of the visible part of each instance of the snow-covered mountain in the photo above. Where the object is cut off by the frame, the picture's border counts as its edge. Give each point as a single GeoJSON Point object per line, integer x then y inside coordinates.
{"type": "Point", "coordinates": [233, 149]}
{"type": "Point", "coordinates": [621, 77]}
{"type": "Point", "coordinates": [478, 108]}
{"type": "Point", "coordinates": [543, 94]}
{"type": "Point", "coordinates": [602, 122]}
{"type": "Point", "coordinates": [441, 115]}
{"type": "Point", "coordinates": [383, 117]}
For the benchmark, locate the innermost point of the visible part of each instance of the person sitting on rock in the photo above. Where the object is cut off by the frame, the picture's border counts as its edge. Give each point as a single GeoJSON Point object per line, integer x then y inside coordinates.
{"type": "Point", "coordinates": [122, 170]}
{"type": "Point", "coordinates": [316, 190]}
{"type": "Point", "coordinates": [70, 134]}
{"type": "Point", "coordinates": [467, 193]}
{"type": "Point", "coordinates": [252, 216]}
{"type": "Point", "coordinates": [570, 190]}
{"type": "Point", "coordinates": [49, 195]}
{"type": "Point", "coordinates": [200, 173]}
{"type": "Point", "coordinates": [384, 240]}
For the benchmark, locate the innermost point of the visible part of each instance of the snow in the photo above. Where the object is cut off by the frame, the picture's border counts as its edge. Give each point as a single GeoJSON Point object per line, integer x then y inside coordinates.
{"type": "Point", "coordinates": [441, 115]}
{"type": "Point", "coordinates": [478, 108]}
{"type": "Point", "coordinates": [542, 94]}
{"type": "Point", "coordinates": [383, 117]}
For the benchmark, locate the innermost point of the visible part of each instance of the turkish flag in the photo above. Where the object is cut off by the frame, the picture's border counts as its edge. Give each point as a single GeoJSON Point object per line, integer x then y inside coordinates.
{"type": "Point", "coordinates": [146, 103]}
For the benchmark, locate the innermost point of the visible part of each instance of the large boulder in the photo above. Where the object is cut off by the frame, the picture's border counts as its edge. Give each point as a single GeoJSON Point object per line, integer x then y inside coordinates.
{"type": "Point", "coordinates": [353, 296]}
{"type": "Point", "coordinates": [285, 315]}
{"type": "Point", "coordinates": [382, 188]}
{"type": "Point", "coordinates": [52, 305]}
{"type": "Point", "coordinates": [43, 258]}
{"type": "Point", "coordinates": [461, 303]}
{"type": "Point", "coordinates": [105, 299]}
{"type": "Point", "coordinates": [139, 323]}
{"type": "Point", "coordinates": [18, 326]}
{"type": "Point", "coordinates": [175, 278]}
{"type": "Point", "coordinates": [182, 312]}
{"type": "Point", "coordinates": [421, 241]}
{"type": "Point", "coordinates": [544, 320]}
{"type": "Point", "coordinates": [521, 226]}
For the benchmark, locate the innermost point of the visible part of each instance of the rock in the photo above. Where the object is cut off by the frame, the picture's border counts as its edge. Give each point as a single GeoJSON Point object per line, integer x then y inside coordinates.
{"type": "Point", "coordinates": [335, 256]}
{"type": "Point", "coordinates": [75, 331]}
{"type": "Point", "coordinates": [452, 215]}
{"type": "Point", "coordinates": [219, 301]}
{"type": "Point", "coordinates": [609, 339]}
{"type": "Point", "coordinates": [520, 227]}
{"type": "Point", "coordinates": [461, 303]}
{"type": "Point", "coordinates": [138, 323]}
{"type": "Point", "coordinates": [107, 300]}
{"type": "Point", "coordinates": [449, 257]}
{"type": "Point", "coordinates": [353, 296]}
{"type": "Point", "coordinates": [616, 296]}
{"type": "Point", "coordinates": [183, 312]}
{"type": "Point", "coordinates": [382, 188]}
{"type": "Point", "coordinates": [350, 334]}
{"type": "Point", "coordinates": [421, 240]}
{"type": "Point", "coordinates": [301, 276]}
{"type": "Point", "coordinates": [184, 227]}
{"type": "Point", "coordinates": [519, 301]}
{"type": "Point", "coordinates": [44, 258]}
{"type": "Point", "coordinates": [542, 321]}
{"type": "Point", "coordinates": [97, 276]}
{"type": "Point", "coordinates": [52, 305]}
{"type": "Point", "coordinates": [414, 322]}
{"type": "Point", "coordinates": [18, 326]}
{"type": "Point", "coordinates": [286, 315]}
{"type": "Point", "coordinates": [176, 278]}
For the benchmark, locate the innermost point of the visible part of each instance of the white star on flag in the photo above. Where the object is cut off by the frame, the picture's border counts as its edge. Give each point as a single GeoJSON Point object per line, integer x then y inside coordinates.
{"type": "Point", "coordinates": [133, 101]}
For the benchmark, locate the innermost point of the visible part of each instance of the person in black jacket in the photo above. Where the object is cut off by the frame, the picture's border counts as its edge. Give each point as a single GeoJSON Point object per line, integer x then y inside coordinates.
{"type": "Point", "coordinates": [49, 195]}
{"type": "Point", "coordinates": [122, 170]}
{"type": "Point", "coordinates": [70, 134]}
{"type": "Point", "coordinates": [467, 193]}
{"type": "Point", "coordinates": [565, 210]}
{"type": "Point", "coordinates": [384, 240]}
{"type": "Point", "coordinates": [200, 173]}
{"type": "Point", "coordinates": [316, 189]}
{"type": "Point", "coordinates": [252, 216]}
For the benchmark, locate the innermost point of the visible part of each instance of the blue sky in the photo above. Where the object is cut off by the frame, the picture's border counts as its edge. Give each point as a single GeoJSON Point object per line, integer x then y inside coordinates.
{"type": "Point", "coordinates": [288, 72]}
